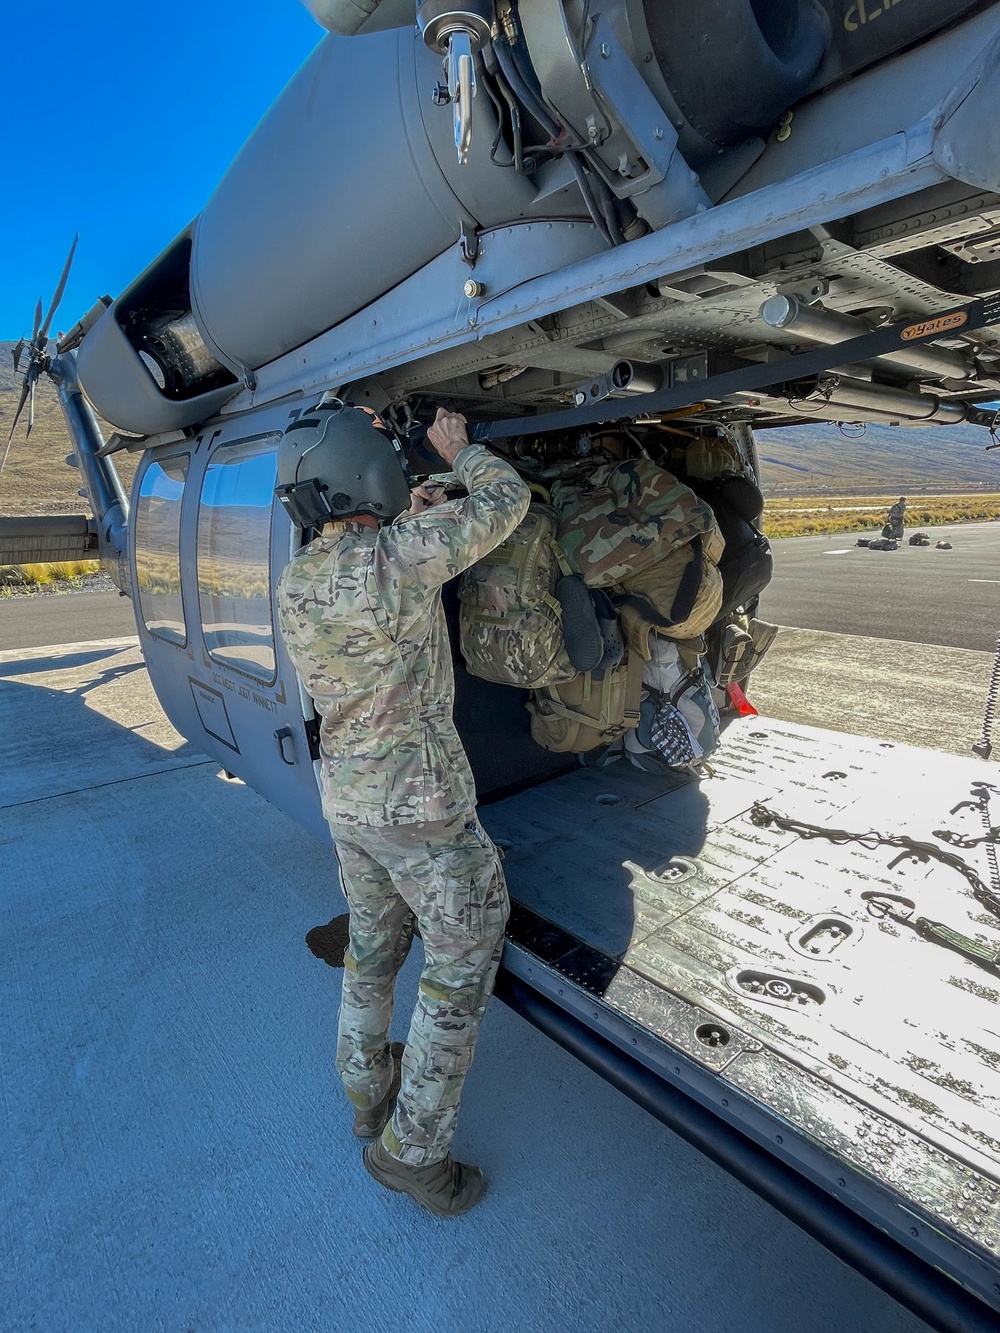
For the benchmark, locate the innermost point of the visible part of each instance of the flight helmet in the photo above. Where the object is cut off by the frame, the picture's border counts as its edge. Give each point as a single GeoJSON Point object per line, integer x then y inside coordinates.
{"type": "Point", "coordinates": [338, 460]}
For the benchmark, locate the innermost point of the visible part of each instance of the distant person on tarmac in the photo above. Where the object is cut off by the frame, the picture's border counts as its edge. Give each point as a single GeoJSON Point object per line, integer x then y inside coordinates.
{"type": "Point", "coordinates": [360, 612]}
{"type": "Point", "coordinates": [896, 520]}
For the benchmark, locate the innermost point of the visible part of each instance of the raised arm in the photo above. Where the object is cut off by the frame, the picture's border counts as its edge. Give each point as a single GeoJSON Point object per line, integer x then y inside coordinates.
{"type": "Point", "coordinates": [439, 543]}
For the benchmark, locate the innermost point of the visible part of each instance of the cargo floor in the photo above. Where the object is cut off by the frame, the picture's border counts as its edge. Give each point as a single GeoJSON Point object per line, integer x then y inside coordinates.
{"type": "Point", "coordinates": [789, 965]}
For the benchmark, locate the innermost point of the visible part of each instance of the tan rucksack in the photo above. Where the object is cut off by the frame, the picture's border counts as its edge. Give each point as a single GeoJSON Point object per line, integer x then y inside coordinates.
{"type": "Point", "coordinates": [588, 711]}
{"type": "Point", "coordinates": [680, 594]}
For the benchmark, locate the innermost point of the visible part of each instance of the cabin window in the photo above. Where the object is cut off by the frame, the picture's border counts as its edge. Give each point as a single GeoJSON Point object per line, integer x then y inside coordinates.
{"type": "Point", "coordinates": [234, 531]}
{"type": "Point", "coordinates": [157, 548]}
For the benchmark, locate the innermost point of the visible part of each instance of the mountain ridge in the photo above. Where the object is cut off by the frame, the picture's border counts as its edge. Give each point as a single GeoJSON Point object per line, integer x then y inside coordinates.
{"type": "Point", "coordinates": [821, 459]}
{"type": "Point", "coordinates": [795, 460]}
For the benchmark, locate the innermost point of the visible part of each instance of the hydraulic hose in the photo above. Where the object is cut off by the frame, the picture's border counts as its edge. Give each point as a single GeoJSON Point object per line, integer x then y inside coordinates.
{"type": "Point", "coordinates": [596, 214]}
{"type": "Point", "coordinates": [520, 88]}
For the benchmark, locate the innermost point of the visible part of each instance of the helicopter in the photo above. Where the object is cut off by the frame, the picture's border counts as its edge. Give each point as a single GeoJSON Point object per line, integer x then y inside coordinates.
{"type": "Point", "coordinates": [598, 230]}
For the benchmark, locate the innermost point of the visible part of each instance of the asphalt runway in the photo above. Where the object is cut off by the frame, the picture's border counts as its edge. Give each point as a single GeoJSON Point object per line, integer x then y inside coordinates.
{"type": "Point", "coordinates": [72, 617]}
{"type": "Point", "coordinates": [915, 594]}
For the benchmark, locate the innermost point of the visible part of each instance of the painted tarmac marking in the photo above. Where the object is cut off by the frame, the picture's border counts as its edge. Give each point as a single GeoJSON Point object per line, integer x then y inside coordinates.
{"type": "Point", "coordinates": [843, 550]}
{"type": "Point", "coordinates": [984, 580]}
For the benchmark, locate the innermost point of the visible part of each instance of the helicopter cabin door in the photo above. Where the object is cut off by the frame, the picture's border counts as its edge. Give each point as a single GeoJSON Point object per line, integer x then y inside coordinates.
{"type": "Point", "coordinates": [209, 544]}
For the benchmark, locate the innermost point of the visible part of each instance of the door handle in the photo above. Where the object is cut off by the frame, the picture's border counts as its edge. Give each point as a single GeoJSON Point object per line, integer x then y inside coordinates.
{"type": "Point", "coordinates": [281, 736]}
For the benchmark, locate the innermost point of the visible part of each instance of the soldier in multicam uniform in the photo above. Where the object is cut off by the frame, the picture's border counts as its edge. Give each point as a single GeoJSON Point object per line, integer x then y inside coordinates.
{"type": "Point", "coordinates": [894, 526]}
{"type": "Point", "coordinates": [360, 612]}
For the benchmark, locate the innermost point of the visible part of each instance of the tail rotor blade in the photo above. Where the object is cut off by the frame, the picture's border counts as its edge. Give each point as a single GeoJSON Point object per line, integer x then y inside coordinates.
{"type": "Point", "coordinates": [18, 349]}
{"type": "Point", "coordinates": [38, 320]}
{"type": "Point", "coordinates": [60, 289]}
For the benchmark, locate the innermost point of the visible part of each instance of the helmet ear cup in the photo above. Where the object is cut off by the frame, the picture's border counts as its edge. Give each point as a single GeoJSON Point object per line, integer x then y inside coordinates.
{"type": "Point", "coordinates": [349, 456]}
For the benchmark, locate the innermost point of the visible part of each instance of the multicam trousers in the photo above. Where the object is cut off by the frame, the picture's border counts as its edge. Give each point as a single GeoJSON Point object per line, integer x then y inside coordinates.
{"type": "Point", "coordinates": [447, 876]}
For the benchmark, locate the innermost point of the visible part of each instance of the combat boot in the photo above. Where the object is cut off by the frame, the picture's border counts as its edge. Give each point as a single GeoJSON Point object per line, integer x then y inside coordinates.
{"type": "Point", "coordinates": [369, 1124]}
{"type": "Point", "coordinates": [446, 1188]}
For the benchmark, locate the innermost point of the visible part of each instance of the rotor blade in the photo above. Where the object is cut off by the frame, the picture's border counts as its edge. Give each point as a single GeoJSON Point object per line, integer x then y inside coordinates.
{"type": "Point", "coordinates": [31, 404]}
{"type": "Point", "coordinates": [38, 320]}
{"type": "Point", "coordinates": [18, 349]}
{"type": "Point", "coordinates": [61, 288]}
{"type": "Point", "coordinates": [25, 390]}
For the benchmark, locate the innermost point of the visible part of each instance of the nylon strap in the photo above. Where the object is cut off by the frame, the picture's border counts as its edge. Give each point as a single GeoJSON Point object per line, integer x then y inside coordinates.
{"type": "Point", "coordinates": [939, 933]}
{"type": "Point", "coordinates": [633, 691]}
{"type": "Point", "coordinates": [602, 723]}
{"type": "Point", "coordinates": [936, 932]}
{"type": "Point", "coordinates": [564, 566]}
{"type": "Point", "coordinates": [684, 598]}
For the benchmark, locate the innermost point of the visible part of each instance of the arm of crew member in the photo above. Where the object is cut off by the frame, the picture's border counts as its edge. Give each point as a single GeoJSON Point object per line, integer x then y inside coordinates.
{"type": "Point", "coordinates": [439, 543]}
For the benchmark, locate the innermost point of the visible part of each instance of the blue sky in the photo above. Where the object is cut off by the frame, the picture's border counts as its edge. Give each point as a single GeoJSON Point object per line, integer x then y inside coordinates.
{"type": "Point", "coordinates": [121, 117]}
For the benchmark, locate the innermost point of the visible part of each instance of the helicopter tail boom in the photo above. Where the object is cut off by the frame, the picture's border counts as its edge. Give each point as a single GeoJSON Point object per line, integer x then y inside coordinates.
{"type": "Point", "coordinates": [45, 539]}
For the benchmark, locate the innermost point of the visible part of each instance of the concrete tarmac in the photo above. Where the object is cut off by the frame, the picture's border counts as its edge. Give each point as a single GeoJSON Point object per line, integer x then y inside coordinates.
{"type": "Point", "coordinates": [178, 1155]}
{"type": "Point", "coordinates": [894, 691]}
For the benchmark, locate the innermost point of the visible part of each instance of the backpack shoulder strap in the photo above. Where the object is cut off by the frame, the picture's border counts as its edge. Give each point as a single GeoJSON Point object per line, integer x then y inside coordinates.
{"type": "Point", "coordinates": [684, 598]}
{"type": "Point", "coordinates": [560, 556]}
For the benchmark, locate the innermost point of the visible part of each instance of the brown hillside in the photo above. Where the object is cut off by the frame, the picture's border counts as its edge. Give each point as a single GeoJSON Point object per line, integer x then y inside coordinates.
{"type": "Point", "coordinates": [821, 459]}
{"type": "Point", "coordinates": [36, 479]}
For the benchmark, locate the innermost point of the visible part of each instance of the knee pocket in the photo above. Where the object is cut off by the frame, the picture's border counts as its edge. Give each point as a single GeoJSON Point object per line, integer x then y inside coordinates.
{"type": "Point", "coordinates": [450, 1061]}
{"type": "Point", "coordinates": [460, 1000]}
{"type": "Point", "coordinates": [469, 891]}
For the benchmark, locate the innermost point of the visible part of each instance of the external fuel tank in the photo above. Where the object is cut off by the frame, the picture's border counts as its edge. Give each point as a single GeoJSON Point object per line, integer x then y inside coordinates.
{"type": "Point", "coordinates": [349, 184]}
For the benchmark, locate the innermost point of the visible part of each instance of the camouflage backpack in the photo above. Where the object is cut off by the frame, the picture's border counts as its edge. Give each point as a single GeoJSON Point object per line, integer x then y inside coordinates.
{"type": "Point", "coordinates": [510, 621]}
{"type": "Point", "coordinates": [526, 620]}
{"type": "Point", "coordinates": [636, 530]}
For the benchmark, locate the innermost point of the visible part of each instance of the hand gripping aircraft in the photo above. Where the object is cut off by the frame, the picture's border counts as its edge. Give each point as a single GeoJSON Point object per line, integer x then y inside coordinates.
{"type": "Point", "coordinates": [612, 229]}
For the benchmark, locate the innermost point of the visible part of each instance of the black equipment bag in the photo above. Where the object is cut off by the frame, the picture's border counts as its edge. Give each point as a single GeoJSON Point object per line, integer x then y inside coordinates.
{"type": "Point", "coordinates": [746, 565]}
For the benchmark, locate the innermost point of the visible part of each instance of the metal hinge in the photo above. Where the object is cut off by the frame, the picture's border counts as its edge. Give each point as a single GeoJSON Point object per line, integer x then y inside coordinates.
{"type": "Point", "coordinates": [312, 737]}
{"type": "Point", "coordinates": [468, 244]}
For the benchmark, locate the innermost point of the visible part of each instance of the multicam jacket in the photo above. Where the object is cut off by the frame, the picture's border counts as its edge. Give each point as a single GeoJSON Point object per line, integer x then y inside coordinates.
{"type": "Point", "coordinates": [360, 612]}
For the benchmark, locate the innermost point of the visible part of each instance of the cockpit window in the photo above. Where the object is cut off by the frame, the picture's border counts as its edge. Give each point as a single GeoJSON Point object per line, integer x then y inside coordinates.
{"type": "Point", "coordinates": [157, 548]}
{"type": "Point", "coordinates": [234, 528]}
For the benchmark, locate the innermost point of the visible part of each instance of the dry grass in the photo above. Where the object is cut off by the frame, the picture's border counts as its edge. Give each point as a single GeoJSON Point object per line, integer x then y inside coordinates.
{"type": "Point", "coordinates": [13, 577]}
{"type": "Point", "coordinates": [807, 517]}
